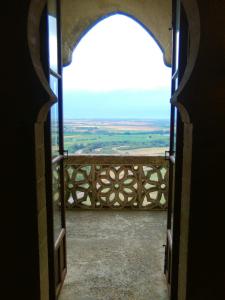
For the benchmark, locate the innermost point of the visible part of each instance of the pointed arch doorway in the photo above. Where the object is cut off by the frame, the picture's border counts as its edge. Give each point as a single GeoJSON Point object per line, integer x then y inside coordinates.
{"type": "Point", "coordinates": [95, 84]}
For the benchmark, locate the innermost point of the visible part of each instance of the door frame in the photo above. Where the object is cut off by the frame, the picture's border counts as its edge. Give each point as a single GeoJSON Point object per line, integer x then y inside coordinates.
{"type": "Point", "coordinates": [57, 247]}
{"type": "Point", "coordinates": [47, 99]}
{"type": "Point", "coordinates": [179, 63]}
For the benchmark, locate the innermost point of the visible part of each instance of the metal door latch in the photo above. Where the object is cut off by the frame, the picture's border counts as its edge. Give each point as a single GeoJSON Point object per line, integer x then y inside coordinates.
{"type": "Point", "coordinates": [65, 154]}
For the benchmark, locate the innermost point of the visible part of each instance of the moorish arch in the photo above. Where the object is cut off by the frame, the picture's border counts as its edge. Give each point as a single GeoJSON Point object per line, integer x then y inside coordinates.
{"type": "Point", "coordinates": [77, 18]}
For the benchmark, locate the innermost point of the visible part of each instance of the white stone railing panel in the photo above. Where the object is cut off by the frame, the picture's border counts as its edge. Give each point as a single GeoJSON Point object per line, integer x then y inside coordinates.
{"type": "Point", "coordinates": [97, 182]}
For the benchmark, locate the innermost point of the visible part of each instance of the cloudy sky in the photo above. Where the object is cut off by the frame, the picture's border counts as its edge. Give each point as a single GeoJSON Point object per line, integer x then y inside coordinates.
{"type": "Point", "coordinates": [118, 62]}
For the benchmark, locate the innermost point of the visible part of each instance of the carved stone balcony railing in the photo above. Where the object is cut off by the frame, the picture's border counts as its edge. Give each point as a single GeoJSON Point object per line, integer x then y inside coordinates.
{"type": "Point", "coordinates": [136, 182]}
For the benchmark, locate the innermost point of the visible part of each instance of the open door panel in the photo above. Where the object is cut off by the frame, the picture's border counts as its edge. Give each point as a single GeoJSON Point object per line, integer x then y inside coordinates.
{"type": "Point", "coordinates": [56, 215]}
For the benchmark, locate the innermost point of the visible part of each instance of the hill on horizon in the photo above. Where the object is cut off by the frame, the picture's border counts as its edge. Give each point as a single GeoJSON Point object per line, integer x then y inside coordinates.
{"type": "Point", "coordinates": [117, 104]}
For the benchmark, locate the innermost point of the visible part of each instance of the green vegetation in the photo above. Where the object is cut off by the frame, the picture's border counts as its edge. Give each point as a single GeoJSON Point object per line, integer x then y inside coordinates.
{"type": "Point", "coordinates": [112, 137]}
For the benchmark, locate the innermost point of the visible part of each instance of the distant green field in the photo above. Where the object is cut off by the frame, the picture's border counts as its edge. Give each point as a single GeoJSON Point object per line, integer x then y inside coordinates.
{"type": "Point", "coordinates": [109, 137]}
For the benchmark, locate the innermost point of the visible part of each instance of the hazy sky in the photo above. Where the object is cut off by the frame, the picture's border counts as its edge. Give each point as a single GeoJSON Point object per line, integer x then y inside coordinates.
{"type": "Point", "coordinates": [116, 55]}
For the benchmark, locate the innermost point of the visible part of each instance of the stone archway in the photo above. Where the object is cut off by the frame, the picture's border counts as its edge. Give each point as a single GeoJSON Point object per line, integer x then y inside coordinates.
{"type": "Point", "coordinates": [84, 14]}
{"type": "Point", "coordinates": [78, 17]}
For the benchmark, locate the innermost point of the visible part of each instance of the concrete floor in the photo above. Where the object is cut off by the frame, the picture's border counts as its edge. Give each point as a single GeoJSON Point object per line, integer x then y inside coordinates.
{"type": "Point", "coordinates": [115, 255]}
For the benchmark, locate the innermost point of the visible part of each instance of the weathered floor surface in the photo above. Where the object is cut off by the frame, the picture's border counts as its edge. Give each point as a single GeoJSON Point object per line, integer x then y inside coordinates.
{"type": "Point", "coordinates": [115, 255]}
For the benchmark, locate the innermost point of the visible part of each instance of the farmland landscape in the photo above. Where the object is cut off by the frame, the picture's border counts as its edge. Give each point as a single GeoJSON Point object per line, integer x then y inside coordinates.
{"type": "Point", "coordinates": [116, 136]}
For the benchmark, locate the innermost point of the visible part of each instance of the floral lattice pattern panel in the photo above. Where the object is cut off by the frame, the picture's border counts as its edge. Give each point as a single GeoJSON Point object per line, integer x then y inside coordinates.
{"type": "Point", "coordinates": [114, 182]}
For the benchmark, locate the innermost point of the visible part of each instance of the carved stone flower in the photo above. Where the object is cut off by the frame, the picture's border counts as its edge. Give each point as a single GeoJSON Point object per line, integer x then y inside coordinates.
{"type": "Point", "coordinates": [78, 186]}
{"type": "Point", "coordinates": [116, 186]}
{"type": "Point", "coordinates": [155, 187]}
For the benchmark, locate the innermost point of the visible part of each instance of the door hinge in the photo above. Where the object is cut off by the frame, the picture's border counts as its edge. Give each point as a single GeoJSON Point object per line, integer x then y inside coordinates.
{"type": "Point", "coordinates": [65, 154]}
{"type": "Point", "coordinates": [167, 155]}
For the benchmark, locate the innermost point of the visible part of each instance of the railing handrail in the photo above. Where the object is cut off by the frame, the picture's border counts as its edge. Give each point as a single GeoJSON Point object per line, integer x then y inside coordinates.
{"type": "Point", "coordinates": [116, 181]}
{"type": "Point", "coordinates": [115, 159]}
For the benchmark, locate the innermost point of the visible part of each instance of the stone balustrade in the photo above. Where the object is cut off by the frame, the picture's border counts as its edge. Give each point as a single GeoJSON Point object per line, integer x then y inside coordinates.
{"type": "Point", "coordinates": [116, 182]}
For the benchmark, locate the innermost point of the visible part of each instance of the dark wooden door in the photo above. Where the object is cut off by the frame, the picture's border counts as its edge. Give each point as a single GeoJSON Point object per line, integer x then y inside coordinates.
{"type": "Point", "coordinates": [55, 121]}
{"type": "Point", "coordinates": [172, 151]}
{"type": "Point", "coordinates": [179, 62]}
